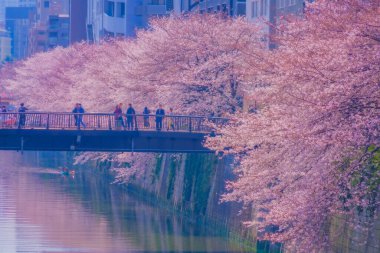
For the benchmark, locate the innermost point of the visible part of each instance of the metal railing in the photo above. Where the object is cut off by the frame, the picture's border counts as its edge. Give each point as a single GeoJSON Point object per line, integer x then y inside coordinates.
{"type": "Point", "coordinates": [108, 121]}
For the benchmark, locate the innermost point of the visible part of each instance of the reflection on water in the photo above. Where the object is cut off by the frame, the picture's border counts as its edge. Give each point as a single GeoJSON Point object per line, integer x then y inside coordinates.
{"type": "Point", "coordinates": [43, 211]}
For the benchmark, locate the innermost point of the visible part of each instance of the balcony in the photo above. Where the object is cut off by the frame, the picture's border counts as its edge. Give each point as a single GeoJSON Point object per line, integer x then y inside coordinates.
{"type": "Point", "coordinates": [114, 24]}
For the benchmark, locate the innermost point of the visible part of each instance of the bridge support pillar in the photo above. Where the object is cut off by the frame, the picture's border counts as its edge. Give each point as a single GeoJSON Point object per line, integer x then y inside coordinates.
{"type": "Point", "coordinates": [133, 145]}
{"type": "Point", "coordinates": [22, 145]}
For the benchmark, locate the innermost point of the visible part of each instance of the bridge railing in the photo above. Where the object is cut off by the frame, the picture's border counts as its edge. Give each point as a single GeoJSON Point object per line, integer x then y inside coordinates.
{"type": "Point", "coordinates": [107, 121]}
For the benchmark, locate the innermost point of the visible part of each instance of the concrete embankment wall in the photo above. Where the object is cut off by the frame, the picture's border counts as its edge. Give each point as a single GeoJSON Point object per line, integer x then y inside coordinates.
{"type": "Point", "coordinates": [193, 184]}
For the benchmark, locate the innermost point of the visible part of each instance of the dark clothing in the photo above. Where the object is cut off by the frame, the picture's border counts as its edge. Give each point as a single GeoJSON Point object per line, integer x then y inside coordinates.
{"type": "Point", "coordinates": [4, 110]}
{"type": "Point", "coordinates": [78, 117]}
{"type": "Point", "coordinates": [131, 118]}
{"type": "Point", "coordinates": [160, 113]}
{"type": "Point", "coordinates": [78, 110]}
{"type": "Point", "coordinates": [146, 113]}
{"type": "Point", "coordinates": [22, 119]}
{"type": "Point", "coordinates": [130, 112]}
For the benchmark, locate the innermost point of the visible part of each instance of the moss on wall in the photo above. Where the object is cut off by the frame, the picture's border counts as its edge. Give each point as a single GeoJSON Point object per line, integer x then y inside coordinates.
{"type": "Point", "coordinates": [173, 167]}
{"type": "Point", "coordinates": [199, 170]}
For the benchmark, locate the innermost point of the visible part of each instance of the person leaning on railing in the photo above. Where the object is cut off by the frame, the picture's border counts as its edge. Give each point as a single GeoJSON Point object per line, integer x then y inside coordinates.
{"type": "Point", "coordinates": [119, 121]}
{"type": "Point", "coordinates": [171, 120]}
{"type": "Point", "coordinates": [78, 115]}
{"type": "Point", "coordinates": [22, 117]}
{"type": "Point", "coordinates": [146, 113]}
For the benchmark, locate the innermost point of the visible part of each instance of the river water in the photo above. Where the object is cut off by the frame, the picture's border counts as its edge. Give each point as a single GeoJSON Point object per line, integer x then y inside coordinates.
{"type": "Point", "coordinates": [44, 211]}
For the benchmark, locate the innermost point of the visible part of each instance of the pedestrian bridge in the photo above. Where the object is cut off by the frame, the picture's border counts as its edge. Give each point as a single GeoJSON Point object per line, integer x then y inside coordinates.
{"type": "Point", "coordinates": [46, 131]}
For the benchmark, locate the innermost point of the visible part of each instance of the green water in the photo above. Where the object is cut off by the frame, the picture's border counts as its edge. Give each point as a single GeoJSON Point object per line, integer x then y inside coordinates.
{"type": "Point", "coordinates": [44, 211]}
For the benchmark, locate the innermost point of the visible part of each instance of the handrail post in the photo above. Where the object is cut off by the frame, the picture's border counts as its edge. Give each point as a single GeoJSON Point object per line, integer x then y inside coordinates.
{"type": "Point", "coordinates": [18, 118]}
{"type": "Point", "coordinates": [109, 123]}
{"type": "Point", "coordinates": [47, 123]}
{"type": "Point", "coordinates": [190, 124]}
{"type": "Point", "coordinates": [78, 120]}
{"type": "Point", "coordinates": [135, 119]}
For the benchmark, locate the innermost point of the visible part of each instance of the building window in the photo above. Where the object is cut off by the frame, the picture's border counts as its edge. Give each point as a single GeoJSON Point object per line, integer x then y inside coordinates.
{"type": "Point", "coordinates": [292, 2]}
{"type": "Point", "coordinates": [109, 8]}
{"type": "Point", "coordinates": [169, 5]}
{"type": "Point", "coordinates": [224, 8]}
{"type": "Point", "coordinates": [282, 4]}
{"type": "Point", "coordinates": [255, 8]}
{"type": "Point", "coordinates": [53, 34]}
{"type": "Point", "coordinates": [240, 9]}
{"type": "Point", "coordinates": [120, 10]}
{"type": "Point", "coordinates": [46, 4]}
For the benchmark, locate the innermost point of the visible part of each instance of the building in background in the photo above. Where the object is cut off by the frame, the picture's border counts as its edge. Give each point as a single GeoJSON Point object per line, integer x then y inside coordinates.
{"type": "Point", "coordinates": [121, 18]}
{"type": "Point", "coordinates": [267, 12]}
{"type": "Point", "coordinates": [13, 3]}
{"type": "Point", "coordinates": [232, 8]}
{"type": "Point", "coordinates": [94, 20]}
{"type": "Point", "coordinates": [3, 5]}
{"type": "Point", "coordinates": [51, 27]}
{"type": "Point", "coordinates": [5, 46]}
{"type": "Point", "coordinates": [78, 20]}
{"type": "Point", "coordinates": [64, 22]}
{"type": "Point", "coordinates": [18, 22]}
{"type": "Point", "coordinates": [58, 30]}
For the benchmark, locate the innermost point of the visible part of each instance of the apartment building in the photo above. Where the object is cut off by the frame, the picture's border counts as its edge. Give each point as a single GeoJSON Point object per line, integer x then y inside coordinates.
{"type": "Point", "coordinates": [51, 26]}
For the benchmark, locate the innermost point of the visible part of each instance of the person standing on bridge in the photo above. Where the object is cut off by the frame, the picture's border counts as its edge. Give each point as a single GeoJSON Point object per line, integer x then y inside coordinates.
{"type": "Point", "coordinates": [22, 117]}
{"type": "Point", "coordinates": [2, 117]}
{"type": "Point", "coordinates": [119, 121]}
{"type": "Point", "coordinates": [146, 113]}
{"type": "Point", "coordinates": [160, 113]}
{"type": "Point", "coordinates": [78, 116]}
{"type": "Point", "coordinates": [171, 120]}
{"type": "Point", "coordinates": [131, 117]}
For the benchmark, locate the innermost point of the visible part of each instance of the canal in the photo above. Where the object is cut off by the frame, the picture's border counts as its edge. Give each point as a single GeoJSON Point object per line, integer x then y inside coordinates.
{"type": "Point", "coordinates": [44, 211]}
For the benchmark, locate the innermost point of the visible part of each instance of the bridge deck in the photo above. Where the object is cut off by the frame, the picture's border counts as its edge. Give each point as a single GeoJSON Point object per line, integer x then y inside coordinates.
{"type": "Point", "coordinates": [102, 132]}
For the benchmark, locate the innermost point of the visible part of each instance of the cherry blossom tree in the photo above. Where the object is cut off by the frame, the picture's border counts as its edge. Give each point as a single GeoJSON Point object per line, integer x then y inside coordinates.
{"type": "Point", "coordinates": [199, 59]}
{"type": "Point", "coordinates": [308, 154]}
{"type": "Point", "coordinates": [192, 63]}
{"type": "Point", "coordinates": [127, 166]}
